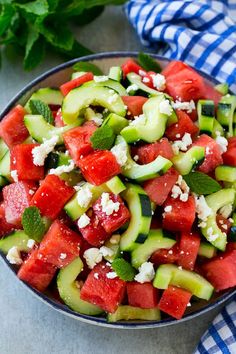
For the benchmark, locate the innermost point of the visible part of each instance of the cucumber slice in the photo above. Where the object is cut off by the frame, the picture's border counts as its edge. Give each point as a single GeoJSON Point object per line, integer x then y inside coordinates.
{"type": "Point", "coordinates": [151, 127]}
{"type": "Point", "coordinates": [115, 185]}
{"type": "Point", "coordinates": [216, 201]}
{"type": "Point", "coordinates": [77, 74]}
{"type": "Point", "coordinates": [70, 293]}
{"type": "Point", "coordinates": [125, 312]}
{"type": "Point", "coordinates": [115, 73]}
{"type": "Point", "coordinates": [115, 247]}
{"type": "Point", "coordinates": [137, 172]}
{"type": "Point", "coordinates": [225, 173]}
{"type": "Point", "coordinates": [206, 113]}
{"type": "Point", "coordinates": [111, 84]}
{"type": "Point", "coordinates": [5, 170]}
{"type": "Point", "coordinates": [154, 242]}
{"type": "Point", "coordinates": [169, 274]}
{"type": "Point", "coordinates": [47, 95]}
{"type": "Point", "coordinates": [222, 88]}
{"type": "Point", "coordinates": [39, 129]}
{"type": "Point", "coordinates": [225, 112]}
{"type": "Point", "coordinates": [185, 162]}
{"type": "Point", "coordinates": [140, 209]}
{"type": "Point", "coordinates": [84, 96]}
{"type": "Point", "coordinates": [135, 79]}
{"type": "Point", "coordinates": [117, 123]}
{"type": "Point", "coordinates": [217, 129]}
{"type": "Point", "coordinates": [3, 148]}
{"type": "Point", "coordinates": [207, 250]}
{"type": "Point", "coordinates": [17, 239]}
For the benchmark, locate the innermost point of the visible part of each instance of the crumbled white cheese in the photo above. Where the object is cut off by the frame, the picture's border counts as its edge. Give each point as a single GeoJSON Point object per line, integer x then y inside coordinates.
{"type": "Point", "coordinates": [211, 236]}
{"type": "Point", "coordinates": [184, 106]}
{"type": "Point", "coordinates": [176, 192]}
{"type": "Point", "coordinates": [146, 80]}
{"type": "Point", "coordinates": [180, 268]}
{"type": "Point", "coordinates": [165, 107]}
{"type": "Point", "coordinates": [31, 192]}
{"type": "Point", "coordinates": [182, 144]}
{"type": "Point", "coordinates": [138, 120]}
{"type": "Point", "coordinates": [222, 143]}
{"type": "Point", "coordinates": [120, 153]}
{"type": "Point", "coordinates": [226, 210]}
{"type": "Point", "coordinates": [84, 196]}
{"type": "Point", "coordinates": [97, 118]}
{"type": "Point", "coordinates": [30, 243]}
{"type": "Point", "coordinates": [62, 169]}
{"type": "Point", "coordinates": [142, 73]}
{"type": "Point", "coordinates": [115, 239]}
{"type": "Point", "coordinates": [96, 275]}
{"type": "Point", "coordinates": [170, 251]}
{"type": "Point", "coordinates": [108, 206]}
{"type": "Point", "coordinates": [180, 189]}
{"type": "Point", "coordinates": [168, 209]}
{"type": "Point", "coordinates": [101, 78]}
{"type": "Point", "coordinates": [183, 197]}
{"type": "Point", "coordinates": [106, 251]}
{"type": "Point", "coordinates": [63, 256]}
{"type": "Point", "coordinates": [14, 175]}
{"type": "Point", "coordinates": [111, 275]}
{"type": "Point", "coordinates": [13, 256]}
{"type": "Point", "coordinates": [202, 208]}
{"type": "Point", "coordinates": [111, 99]}
{"type": "Point", "coordinates": [189, 304]}
{"type": "Point", "coordinates": [136, 158]}
{"type": "Point", "coordinates": [92, 257]}
{"type": "Point", "coordinates": [177, 136]}
{"type": "Point", "coordinates": [133, 87]}
{"type": "Point", "coordinates": [159, 81]}
{"type": "Point", "coordinates": [83, 221]}
{"type": "Point", "coordinates": [41, 152]}
{"type": "Point", "coordinates": [146, 273]}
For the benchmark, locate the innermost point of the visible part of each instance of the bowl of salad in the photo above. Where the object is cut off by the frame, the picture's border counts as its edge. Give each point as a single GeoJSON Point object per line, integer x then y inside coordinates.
{"type": "Point", "coordinates": [118, 183]}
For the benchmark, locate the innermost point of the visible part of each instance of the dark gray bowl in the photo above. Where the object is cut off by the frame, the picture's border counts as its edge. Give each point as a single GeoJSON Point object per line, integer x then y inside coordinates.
{"type": "Point", "coordinates": [56, 77]}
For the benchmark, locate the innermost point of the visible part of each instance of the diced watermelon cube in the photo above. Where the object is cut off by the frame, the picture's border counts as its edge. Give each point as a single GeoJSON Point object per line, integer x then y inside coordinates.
{"type": "Point", "coordinates": [36, 272]}
{"type": "Point", "coordinates": [149, 152]}
{"type": "Point", "coordinates": [111, 222]}
{"type": "Point", "coordinates": [17, 197]}
{"type": "Point", "coordinates": [78, 142]}
{"type": "Point", "coordinates": [188, 249]}
{"type": "Point", "coordinates": [158, 188]}
{"type": "Point", "coordinates": [70, 85]}
{"type": "Point", "coordinates": [221, 271]}
{"type": "Point", "coordinates": [51, 196]}
{"type": "Point", "coordinates": [5, 228]}
{"type": "Point", "coordinates": [174, 67]}
{"type": "Point", "coordinates": [174, 301]}
{"type": "Point", "coordinates": [213, 156]}
{"type": "Point", "coordinates": [94, 233]}
{"type": "Point", "coordinates": [12, 127]}
{"type": "Point", "coordinates": [99, 167]}
{"type": "Point", "coordinates": [58, 119]}
{"type": "Point", "coordinates": [60, 246]}
{"type": "Point", "coordinates": [211, 94]}
{"type": "Point", "coordinates": [99, 289]}
{"type": "Point", "coordinates": [142, 295]}
{"type": "Point", "coordinates": [185, 125]}
{"type": "Point", "coordinates": [130, 66]}
{"type": "Point", "coordinates": [229, 157]}
{"type": "Point", "coordinates": [181, 216]}
{"type": "Point", "coordinates": [165, 256]}
{"type": "Point", "coordinates": [134, 104]}
{"type": "Point", "coordinates": [22, 162]}
{"type": "Point", "coordinates": [223, 223]}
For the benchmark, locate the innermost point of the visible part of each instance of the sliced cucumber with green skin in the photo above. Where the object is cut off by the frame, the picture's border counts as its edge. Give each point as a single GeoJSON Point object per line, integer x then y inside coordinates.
{"type": "Point", "coordinates": [169, 274]}
{"type": "Point", "coordinates": [3, 148]}
{"type": "Point", "coordinates": [137, 172]}
{"type": "Point", "coordinates": [126, 312]}
{"type": "Point", "coordinates": [47, 95]}
{"type": "Point", "coordinates": [115, 73]}
{"type": "Point", "coordinates": [206, 114]}
{"type": "Point", "coordinates": [5, 169]}
{"type": "Point", "coordinates": [185, 162]}
{"type": "Point", "coordinates": [207, 250]}
{"type": "Point", "coordinates": [154, 242]}
{"type": "Point", "coordinates": [111, 84]}
{"type": "Point", "coordinates": [117, 123]}
{"type": "Point", "coordinates": [115, 185]}
{"type": "Point", "coordinates": [222, 88]}
{"type": "Point", "coordinates": [140, 209]}
{"type": "Point", "coordinates": [151, 127]}
{"type": "Point", "coordinates": [39, 129]}
{"type": "Point", "coordinates": [216, 201]}
{"type": "Point", "coordinates": [17, 239]}
{"type": "Point", "coordinates": [115, 247]}
{"type": "Point", "coordinates": [217, 129]}
{"type": "Point", "coordinates": [225, 112]}
{"type": "Point", "coordinates": [135, 79]}
{"type": "Point", "coordinates": [69, 292]}
{"type": "Point", "coordinates": [83, 96]}
{"type": "Point", "coordinates": [225, 173]}
{"type": "Point", "coordinates": [77, 74]}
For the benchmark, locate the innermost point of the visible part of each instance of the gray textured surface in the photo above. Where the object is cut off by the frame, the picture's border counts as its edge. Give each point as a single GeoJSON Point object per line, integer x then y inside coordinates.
{"type": "Point", "coordinates": [27, 326]}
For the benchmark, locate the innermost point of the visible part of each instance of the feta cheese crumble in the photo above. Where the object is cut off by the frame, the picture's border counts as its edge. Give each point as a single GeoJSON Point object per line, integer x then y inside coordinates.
{"type": "Point", "coordinates": [111, 275]}
{"type": "Point", "coordinates": [130, 88]}
{"type": "Point", "coordinates": [96, 275]}
{"type": "Point", "coordinates": [31, 243]}
{"type": "Point", "coordinates": [120, 153]}
{"type": "Point", "coordinates": [159, 81]}
{"type": "Point", "coordinates": [14, 175]}
{"type": "Point", "coordinates": [101, 78]}
{"type": "Point", "coordinates": [184, 106]}
{"type": "Point", "coordinates": [62, 169]}
{"type": "Point", "coordinates": [146, 273]}
{"type": "Point", "coordinates": [226, 210]}
{"type": "Point", "coordinates": [136, 158]}
{"type": "Point", "coordinates": [165, 107]}
{"type": "Point", "coordinates": [83, 221]}
{"type": "Point", "coordinates": [106, 251]}
{"type": "Point", "coordinates": [63, 256]}
{"type": "Point", "coordinates": [112, 98]}
{"type": "Point", "coordinates": [146, 80]}
{"type": "Point", "coordinates": [138, 120]}
{"type": "Point", "coordinates": [92, 257]}
{"type": "Point", "coordinates": [115, 239]}
{"type": "Point", "coordinates": [202, 209]}
{"type": "Point", "coordinates": [84, 196]}
{"type": "Point", "coordinates": [211, 236]}
{"type": "Point", "coordinates": [222, 143]}
{"type": "Point", "coordinates": [31, 192]}
{"type": "Point", "coordinates": [182, 145]}
{"type": "Point", "coordinates": [41, 152]}
{"type": "Point", "coordinates": [141, 72]}
{"type": "Point", "coordinates": [180, 190]}
{"type": "Point", "coordinates": [14, 256]}
{"type": "Point", "coordinates": [108, 206]}
{"type": "Point", "coordinates": [168, 209]}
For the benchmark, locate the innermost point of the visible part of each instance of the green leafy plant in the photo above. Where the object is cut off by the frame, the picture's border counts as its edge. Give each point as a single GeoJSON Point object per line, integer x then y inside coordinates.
{"type": "Point", "coordinates": [123, 269]}
{"type": "Point", "coordinates": [33, 223]}
{"type": "Point", "coordinates": [201, 183]}
{"type": "Point", "coordinates": [32, 27]}
{"type": "Point", "coordinates": [39, 107]}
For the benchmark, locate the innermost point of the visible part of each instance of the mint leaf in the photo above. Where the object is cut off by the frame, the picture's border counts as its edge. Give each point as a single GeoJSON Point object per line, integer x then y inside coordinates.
{"type": "Point", "coordinates": [41, 108]}
{"type": "Point", "coordinates": [33, 224]}
{"type": "Point", "coordinates": [201, 183]}
{"type": "Point", "coordinates": [85, 66]}
{"type": "Point", "coordinates": [123, 269]}
{"type": "Point", "coordinates": [103, 138]}
{"type": "Point", "coordinates": [37, 7]}
{"type": "Point", "coordinates": [148, 63]}
{"type": "Point", "coordinates": [34, 53]}
{"type": "Point", "coordinates": [57, 34]}
{"type": "Point", "coordinates": [6, 17]}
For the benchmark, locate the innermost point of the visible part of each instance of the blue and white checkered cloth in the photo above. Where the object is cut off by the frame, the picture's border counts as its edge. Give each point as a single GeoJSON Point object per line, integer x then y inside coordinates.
{"type": "Point", "coordinates": [200, 32]}
{"type": "Point", "coordinates": [203, 34]}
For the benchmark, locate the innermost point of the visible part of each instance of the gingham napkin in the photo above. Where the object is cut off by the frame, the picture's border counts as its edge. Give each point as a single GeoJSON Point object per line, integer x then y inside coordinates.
{"type": "Point", "coordinates": [203, 34]}
{"type": "Point", "coordinates": [200, 32]}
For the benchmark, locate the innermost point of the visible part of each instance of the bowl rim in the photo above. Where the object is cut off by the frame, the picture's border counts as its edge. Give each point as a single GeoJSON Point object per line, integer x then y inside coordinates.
{"type": "Point", "coordinates": [61, 307]}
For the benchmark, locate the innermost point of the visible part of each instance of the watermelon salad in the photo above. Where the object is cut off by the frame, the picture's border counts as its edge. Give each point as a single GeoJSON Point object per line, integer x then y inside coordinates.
{"type": "Point", "coordinates": [118, 190]}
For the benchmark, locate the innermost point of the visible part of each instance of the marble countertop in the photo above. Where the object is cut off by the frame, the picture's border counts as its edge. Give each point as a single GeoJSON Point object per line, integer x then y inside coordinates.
{"type": "Point", "coordinates": [28, 326]}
